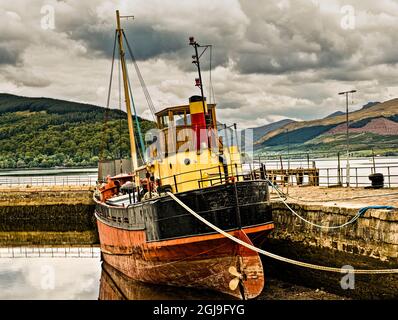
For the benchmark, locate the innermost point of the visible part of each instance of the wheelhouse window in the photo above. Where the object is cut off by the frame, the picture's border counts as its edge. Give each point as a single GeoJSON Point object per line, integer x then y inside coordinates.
{"type": "Point", "coordinates": [179, 119]}
{"type": "Point", "coordinates": [164, 121]}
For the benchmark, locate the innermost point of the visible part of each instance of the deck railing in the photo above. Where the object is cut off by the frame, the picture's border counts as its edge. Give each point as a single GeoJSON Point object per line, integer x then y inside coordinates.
{"type": "Point", "coordinates": [281, 170]}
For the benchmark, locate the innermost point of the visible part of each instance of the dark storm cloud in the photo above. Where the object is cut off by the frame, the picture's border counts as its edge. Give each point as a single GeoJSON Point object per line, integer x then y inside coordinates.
{"type": "Point", "coordinates": [277, 37]}
{"type": "Point", "coordinates": [292, 38]}
{"type": "Point", "coordinates": [270, 58]}
{"type": "Point", "coordinates": [146, 42]}
{"type": "Point", "coordinates": [274, 38]}
{"type": "Point", "coordinates": [9, 55]}
{"type": "Point", "coordinates": [153, 35]}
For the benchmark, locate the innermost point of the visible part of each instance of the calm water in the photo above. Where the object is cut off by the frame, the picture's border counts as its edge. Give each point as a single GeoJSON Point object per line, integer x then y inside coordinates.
{"type": "Point", "coordinates": [49, 278]}
{"type": "Point", "coordinates": [76, 274]}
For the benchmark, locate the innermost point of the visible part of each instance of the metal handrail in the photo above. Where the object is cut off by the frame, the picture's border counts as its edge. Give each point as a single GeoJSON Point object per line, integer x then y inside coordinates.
{"type": "Point", "coordinates": [200, 171]}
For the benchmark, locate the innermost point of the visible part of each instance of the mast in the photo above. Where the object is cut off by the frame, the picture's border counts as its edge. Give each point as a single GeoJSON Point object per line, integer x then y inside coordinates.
{"type": "Point", "coordinates": [198, 83]}
{"type": "Point", "coordinates": [126, 93]}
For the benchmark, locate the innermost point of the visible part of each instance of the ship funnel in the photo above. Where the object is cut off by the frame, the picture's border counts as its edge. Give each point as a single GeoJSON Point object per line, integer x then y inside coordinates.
{"type": "Point", "coordinates": [198, 110]}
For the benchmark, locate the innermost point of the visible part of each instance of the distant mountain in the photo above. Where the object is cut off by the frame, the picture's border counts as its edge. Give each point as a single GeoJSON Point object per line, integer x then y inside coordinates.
{"type": "Point", "coordinates": [365, 106]}
{"type": "Point", "coordinates": [370, 104]}
{"type": "Point", "coordinates": [378, 119]}
{"type": "Point", "coordinates": [380, 126]}
{"type": "Point", "coordinates": [44, 132]}
{"type": "Point", "coordinates": [337, 113]}
{"type": "Point", "coordinates": [259, 132]}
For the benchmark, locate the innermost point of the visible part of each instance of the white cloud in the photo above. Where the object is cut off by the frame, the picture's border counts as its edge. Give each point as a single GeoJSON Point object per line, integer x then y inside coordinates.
{"type": "Point", "coordinates": [273, 59]}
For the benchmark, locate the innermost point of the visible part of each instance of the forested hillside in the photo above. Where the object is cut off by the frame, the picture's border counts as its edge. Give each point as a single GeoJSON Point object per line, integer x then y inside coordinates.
{"type": "Point", "coordinates": [42, 132]}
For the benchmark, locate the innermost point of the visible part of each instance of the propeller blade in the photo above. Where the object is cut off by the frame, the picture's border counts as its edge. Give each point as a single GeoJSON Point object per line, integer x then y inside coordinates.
{"type": "Point", "coordinates": [232, 270]}
{"type": "Point", "coordinates": [233, 284]}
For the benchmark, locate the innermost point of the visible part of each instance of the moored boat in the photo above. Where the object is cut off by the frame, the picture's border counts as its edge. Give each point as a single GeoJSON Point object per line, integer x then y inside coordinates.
{"type": "Point", "coordinates": [149, 237]}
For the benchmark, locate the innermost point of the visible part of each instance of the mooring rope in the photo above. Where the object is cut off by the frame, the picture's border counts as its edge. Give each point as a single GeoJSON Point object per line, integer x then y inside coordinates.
{"type": "Point", "coordinates": [275, 256]}
{"type": "Point", "coordinates": [352, 220]}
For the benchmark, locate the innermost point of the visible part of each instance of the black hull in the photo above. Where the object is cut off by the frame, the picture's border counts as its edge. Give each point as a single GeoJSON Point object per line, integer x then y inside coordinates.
{"type": "Point", "coordinates": [225, 206]}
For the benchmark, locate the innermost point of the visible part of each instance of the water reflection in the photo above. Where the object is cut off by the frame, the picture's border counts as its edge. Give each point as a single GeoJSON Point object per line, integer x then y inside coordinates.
{"type": "Point", "coordinates": [114, 285]}
{"type": "Point", "coordinates": [69, 278]}
{"type": "Point", "coordinates": [28, 273]}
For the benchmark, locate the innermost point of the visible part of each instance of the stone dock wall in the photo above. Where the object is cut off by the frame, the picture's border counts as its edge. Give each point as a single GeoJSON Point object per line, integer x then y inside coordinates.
{"type": "Point", "coordinates": [369, 243]}
{"type": "Point", "coordinates": [47, 216]}
{"type": "Point", "coordinates": [374, 235]}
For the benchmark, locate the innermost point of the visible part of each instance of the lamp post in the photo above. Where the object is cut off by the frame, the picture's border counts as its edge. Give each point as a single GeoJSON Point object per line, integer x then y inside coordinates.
{"type": "Point", "coordinates": [347, 137]}
{"type": "Point", "coordinates": [288, 149]}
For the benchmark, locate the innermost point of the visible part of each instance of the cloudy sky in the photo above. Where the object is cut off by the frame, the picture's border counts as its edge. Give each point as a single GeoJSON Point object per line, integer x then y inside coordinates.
{"type": "Point", "coordinates": [272, 59]}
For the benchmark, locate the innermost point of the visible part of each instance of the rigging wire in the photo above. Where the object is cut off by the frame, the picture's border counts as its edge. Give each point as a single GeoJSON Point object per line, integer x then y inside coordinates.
{"type": "Point", "coordinates": [102, 147]}
{"type": "Point", "coordinates": [120, 120]}
{"type": "Point", "coordinates": [105, 126]}
{"type": "Point", "coordinates": [142, 149]}
{"type": "Point", "coordinates": [135, 112]}
{"type": "Point", "coordinates": [212, 97]}
{"type": "Point", "coordinates": [141, 79]}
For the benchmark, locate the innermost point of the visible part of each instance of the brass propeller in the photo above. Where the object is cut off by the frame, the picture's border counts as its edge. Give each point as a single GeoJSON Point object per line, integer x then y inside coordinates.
{"type": "Point", "coordinates": [233, 284]}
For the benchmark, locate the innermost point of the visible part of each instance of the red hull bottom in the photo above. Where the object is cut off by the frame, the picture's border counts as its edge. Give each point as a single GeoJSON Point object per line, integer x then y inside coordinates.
{"type": "Point", "coordinates": [198, 262]}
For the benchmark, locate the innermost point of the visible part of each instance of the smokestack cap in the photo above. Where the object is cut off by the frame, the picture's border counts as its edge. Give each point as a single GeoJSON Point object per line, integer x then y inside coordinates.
{"type": "Point", "coordinates": [196, 99]}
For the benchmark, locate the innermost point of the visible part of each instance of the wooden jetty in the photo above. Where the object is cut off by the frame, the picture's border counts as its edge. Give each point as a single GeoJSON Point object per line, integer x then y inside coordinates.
{"type": "Point", "coordinates": [284, 176]}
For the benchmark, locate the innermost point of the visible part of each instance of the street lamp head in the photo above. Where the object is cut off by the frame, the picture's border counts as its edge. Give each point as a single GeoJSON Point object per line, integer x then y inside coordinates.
{"type": "Point", "coordinates": [192, 41]}
{"type": "Point", "coordinates": [345, 92]}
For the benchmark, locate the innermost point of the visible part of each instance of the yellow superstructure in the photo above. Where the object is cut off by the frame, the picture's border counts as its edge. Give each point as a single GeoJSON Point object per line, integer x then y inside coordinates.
{"type": "Point", "coordinates": [182, 163]}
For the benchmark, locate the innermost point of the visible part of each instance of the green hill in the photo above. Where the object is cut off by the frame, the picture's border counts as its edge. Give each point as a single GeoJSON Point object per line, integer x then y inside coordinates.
{"type": "Point", "coordinates": [44, 132]}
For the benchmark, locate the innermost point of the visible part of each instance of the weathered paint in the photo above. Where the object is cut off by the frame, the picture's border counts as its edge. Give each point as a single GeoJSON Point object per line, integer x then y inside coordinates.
{"type": "Point", "coordinates": [201, 263]}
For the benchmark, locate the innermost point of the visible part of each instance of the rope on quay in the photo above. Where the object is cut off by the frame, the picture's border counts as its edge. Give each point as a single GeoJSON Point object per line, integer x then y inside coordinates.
{"type": "Point", "coordinates": [360, 212]}
{"type": "Point", "coordinates": [277, 257]}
